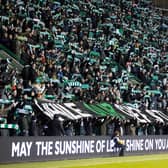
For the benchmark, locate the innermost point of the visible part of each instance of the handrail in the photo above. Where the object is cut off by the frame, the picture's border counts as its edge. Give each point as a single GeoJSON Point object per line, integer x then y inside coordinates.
{"type": "Point", "coordinates": [2, 47]}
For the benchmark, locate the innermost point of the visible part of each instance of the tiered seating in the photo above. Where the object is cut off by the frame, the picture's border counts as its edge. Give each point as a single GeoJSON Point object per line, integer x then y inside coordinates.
{"type": "Point", "coordinates": [79, 50]}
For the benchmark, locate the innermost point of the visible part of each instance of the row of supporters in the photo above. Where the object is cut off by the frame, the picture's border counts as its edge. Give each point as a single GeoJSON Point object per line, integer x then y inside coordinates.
{"type": "Point", "coordinates": [28, 126]}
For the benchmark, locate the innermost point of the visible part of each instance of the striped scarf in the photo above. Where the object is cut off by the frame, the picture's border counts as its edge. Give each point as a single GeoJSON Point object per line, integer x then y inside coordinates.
{"type": "Point", "coordinates": [10, 126]}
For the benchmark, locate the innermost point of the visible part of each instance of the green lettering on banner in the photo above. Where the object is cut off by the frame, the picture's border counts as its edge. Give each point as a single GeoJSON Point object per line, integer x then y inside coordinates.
{"type": "Point", "coordinates": [103, 109]}
{"type": "Point", "coordinates": [111, 110]}
{"type": "Point", "coordinates": [95, 109]}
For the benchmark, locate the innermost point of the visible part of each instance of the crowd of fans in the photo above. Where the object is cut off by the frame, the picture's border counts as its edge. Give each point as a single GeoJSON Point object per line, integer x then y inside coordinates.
{"type": "Point", "coordinates": [92, 51]}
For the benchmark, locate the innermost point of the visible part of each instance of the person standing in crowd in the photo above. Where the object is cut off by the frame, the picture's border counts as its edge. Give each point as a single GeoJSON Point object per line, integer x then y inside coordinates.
{"type": "Point", "coordinates": [56, 127]}
{"type": "Point", "coordinates": [118, 143]}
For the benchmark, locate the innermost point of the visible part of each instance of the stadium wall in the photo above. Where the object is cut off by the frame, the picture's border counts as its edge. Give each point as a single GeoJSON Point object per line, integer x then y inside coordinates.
{"type": "Point", "coordinates": [161, 3]}
{"type": "Point", "coordinates": [27, 149]}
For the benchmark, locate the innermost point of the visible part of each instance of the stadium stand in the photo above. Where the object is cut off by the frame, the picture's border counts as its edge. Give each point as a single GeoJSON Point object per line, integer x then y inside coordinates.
{"type": "Point", "coordinates": [81, 51]}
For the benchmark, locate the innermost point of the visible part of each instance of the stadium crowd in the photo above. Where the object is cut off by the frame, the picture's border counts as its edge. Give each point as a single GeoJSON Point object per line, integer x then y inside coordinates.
{"type": "Point", "coordinates": [112, 51]}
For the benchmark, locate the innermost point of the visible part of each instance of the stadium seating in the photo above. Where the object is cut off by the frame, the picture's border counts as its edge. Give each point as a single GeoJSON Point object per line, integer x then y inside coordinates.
{"type": "Point", "coordinates": [69, 51]}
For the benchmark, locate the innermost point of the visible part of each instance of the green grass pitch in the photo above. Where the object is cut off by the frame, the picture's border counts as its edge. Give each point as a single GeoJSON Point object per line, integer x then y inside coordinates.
{"type": "Point", "coordinates": [145, 161]}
